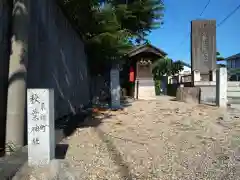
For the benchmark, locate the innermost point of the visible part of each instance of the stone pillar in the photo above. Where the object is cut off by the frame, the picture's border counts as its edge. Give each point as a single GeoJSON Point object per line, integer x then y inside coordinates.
{"type": "Point", "coordinates": [221, 87]}
{"type": "Point", "coordinates": [179, 78]}
{"type": "Point", "coordinates": [5, 41]}
{"type": "Point", "coordinates": [196, 75]}
{"type": "Point", "coordinates": [164, 84]}
{"type": "Point", "coordinates": [213, 74]}
{"type": "Point", "coordinates": [115, 88]}
{"type": "Point", "coordinates": [41, 126]}
{"type": "Point", "coordinates": [136, 88]}
{"type": "Point", "coordinates": [17, 75]}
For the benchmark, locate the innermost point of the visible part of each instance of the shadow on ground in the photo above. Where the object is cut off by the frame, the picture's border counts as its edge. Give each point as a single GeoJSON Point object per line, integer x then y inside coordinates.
{"type": "Point", "coordinates": [9, 165]}
{"type": "Point", "coordinates": [65, 127]}
{"type": "Point", "coordinates": [115, 155]}
{"type": "Point", "coordinates": [84, 118]}
{"type": "Point", "coordinates": [126, 101]}
{"type": "Point", "coordinates": [61, 151]}
{"type": "Point", "coordinates": [69, 123]}
{"type": "Point", "coordinates": [93, 118]}
{"type": "Point", "coordinates": [174, 99]}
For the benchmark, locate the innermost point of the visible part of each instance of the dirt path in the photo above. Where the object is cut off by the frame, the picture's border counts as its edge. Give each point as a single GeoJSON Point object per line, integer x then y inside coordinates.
{"type": "Point", "coordinates": [163, 140]}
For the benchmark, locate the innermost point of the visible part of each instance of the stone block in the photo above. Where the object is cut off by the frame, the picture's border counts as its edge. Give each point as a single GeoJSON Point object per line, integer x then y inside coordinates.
{"type": "Point", "coordinates": [188, 94]}
{"type": "Point", "coordinates": [56, 169]}
{"type": "Point", "coordinates": [145, 90]}
{"type": "Point", "coordinates": [41, 133]}
{"type": "Point", "coordinates": [115, 88]}
{"type": "Point", "coordinates": [221, 87]}
{"type": "Point", "coordinates": [196, 75]}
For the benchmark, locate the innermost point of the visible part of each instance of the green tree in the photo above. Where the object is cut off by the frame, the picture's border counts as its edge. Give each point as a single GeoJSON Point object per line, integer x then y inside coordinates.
{"type": "Point", "coordinates": [220, 59]}
{"type": "Point", "coordinates": [166, 66]}
{"type": "Point", "coordinates": [109, 27]}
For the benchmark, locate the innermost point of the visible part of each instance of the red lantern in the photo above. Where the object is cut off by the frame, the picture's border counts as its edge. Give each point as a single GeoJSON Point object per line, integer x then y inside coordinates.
{"type": "Point", "coordinates": [131, 74]}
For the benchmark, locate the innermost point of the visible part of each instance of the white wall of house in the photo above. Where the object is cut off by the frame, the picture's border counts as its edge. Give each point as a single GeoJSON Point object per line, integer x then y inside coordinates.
{"type": "Point", "coordinates": [186, 70]}
{"type": "Point", "coordinates": [177, 78]}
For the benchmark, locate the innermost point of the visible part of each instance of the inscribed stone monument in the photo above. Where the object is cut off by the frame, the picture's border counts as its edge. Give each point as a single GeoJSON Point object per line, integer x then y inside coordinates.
{"type": "Point", "coordinates": [41, 132]}
{"type": "Point", "coordinates": [203, 46]}
{"type": "Point", "coordinates": [115, 88]}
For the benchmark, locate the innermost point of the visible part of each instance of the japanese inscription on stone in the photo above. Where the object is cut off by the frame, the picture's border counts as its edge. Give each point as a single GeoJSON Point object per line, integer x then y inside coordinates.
{"type": "Point", "coordinates": [38, 115]}
{"type": "Point", "coordinates": [40, 126]}
{"type": "Point", "coordinates": [203, 45]}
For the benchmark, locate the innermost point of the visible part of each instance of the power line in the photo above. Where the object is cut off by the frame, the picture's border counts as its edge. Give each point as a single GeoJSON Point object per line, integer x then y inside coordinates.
{"type": "Point", "coordinates": [200, 15]}
{"type": "Point", "coordinates": [205, 7]}
{"type": "Point", "coordinates": [229, 15]}
{"type": "Point", "coordinates": [185, 37]}
{"type": "Point", "coordinates": [219, 24]}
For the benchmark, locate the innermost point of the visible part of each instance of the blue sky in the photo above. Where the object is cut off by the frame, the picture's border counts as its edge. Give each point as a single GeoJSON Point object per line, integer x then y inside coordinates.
{"type": "Point", "coordinates": [177, 17]}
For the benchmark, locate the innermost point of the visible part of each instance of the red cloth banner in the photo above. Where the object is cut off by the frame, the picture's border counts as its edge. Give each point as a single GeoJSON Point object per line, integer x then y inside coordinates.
{"type": "Point", "coordinates": [131, 74]}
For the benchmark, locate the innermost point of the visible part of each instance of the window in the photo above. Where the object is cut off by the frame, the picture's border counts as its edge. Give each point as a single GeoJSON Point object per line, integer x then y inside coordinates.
{"type": "Point", "coordinates": [238, 77]}
{"type": "Point", "coordinates": [233, 63]}
{"type": "Point", "coordinates": [228, 64]}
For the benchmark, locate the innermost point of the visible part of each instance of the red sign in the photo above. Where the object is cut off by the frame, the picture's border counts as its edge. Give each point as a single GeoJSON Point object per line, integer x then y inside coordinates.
{"type": "Point", "coordinates": [131, 74]}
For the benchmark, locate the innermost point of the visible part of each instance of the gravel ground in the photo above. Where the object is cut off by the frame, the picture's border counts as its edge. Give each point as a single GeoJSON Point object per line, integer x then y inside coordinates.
{"type": "Point", "coordinates": [162, 139]}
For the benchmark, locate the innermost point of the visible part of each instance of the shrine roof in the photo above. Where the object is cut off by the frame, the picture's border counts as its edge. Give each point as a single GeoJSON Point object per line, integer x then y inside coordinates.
{"type": "Point", "coordinates": [146, 48]}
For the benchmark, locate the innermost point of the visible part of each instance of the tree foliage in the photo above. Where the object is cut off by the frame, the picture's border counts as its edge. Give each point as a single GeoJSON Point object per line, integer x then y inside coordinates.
{"type": "Point", "coordinates": [220, 58]}
{"type": "Point", "coordinates": [166, 66]}
{"type": "Point", "coordinates": [108, 27]}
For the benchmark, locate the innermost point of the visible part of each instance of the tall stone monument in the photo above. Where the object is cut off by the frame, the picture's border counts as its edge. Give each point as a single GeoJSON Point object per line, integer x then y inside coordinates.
{"type": "Point", "coordinates": [115, 88]}
{"type": "Point", "coordinates": [41, 131]}
{"type": "Point", "coordinates": [203, 50]}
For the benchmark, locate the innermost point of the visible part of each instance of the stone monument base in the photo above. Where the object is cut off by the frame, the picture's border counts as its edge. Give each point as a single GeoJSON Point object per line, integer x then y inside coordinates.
{"type": "Point", "coordinates": [145, 89]}
{"type": "Point", "coordinates": [59, 169]}
{"type": "Point", "coordinates": [189, 94]}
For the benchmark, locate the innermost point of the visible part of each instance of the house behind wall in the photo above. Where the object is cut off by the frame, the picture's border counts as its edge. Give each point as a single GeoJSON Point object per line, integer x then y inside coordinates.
{"type": "Point", "coordinates": [233, 65]}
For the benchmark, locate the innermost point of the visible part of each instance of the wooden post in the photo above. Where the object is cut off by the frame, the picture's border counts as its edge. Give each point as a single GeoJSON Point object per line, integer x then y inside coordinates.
{"type": "Point", "coordinates": [137, 89]}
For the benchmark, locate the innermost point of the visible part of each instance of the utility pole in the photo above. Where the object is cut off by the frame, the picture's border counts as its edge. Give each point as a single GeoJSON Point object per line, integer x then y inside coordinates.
{"type": "Point", "coordinates": [6, 7]}
{"type": "Point", "coordinates": [16, 102]}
